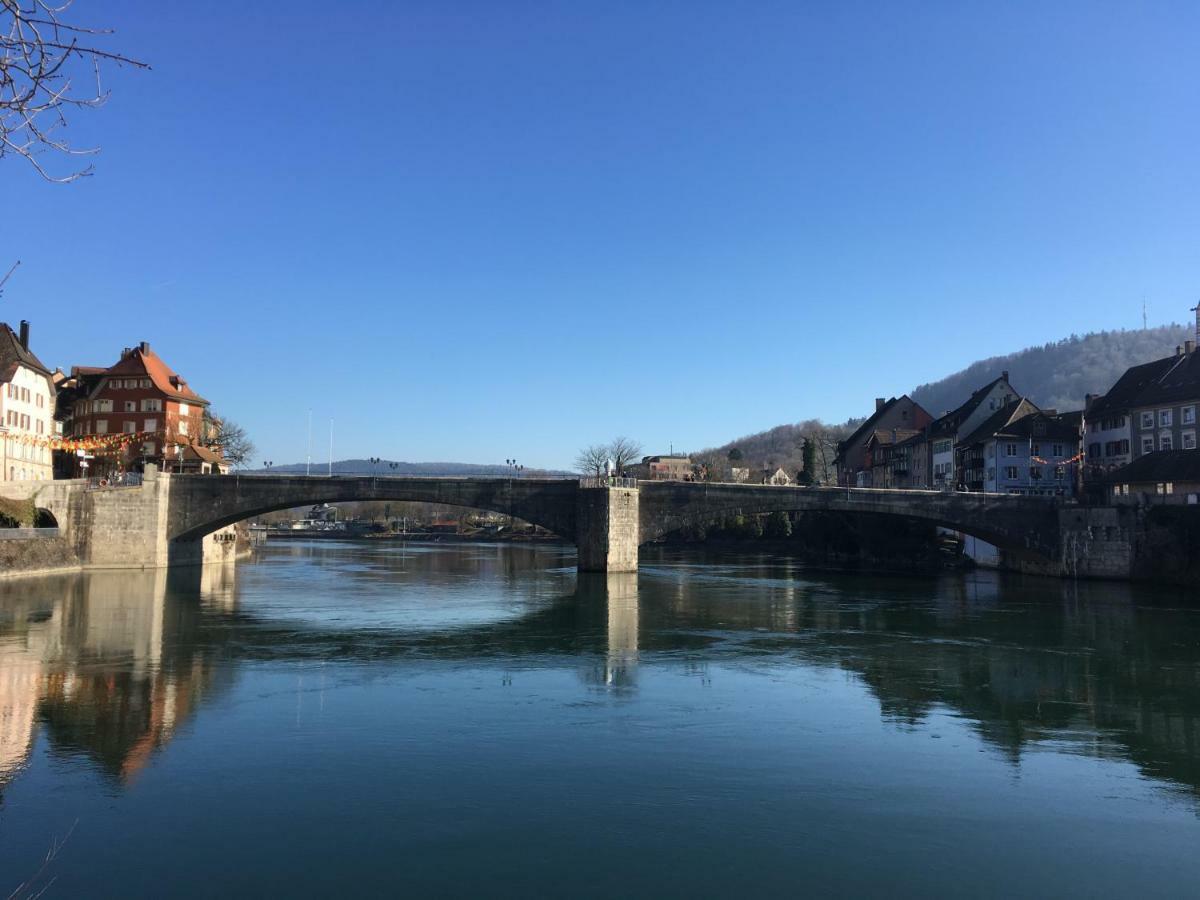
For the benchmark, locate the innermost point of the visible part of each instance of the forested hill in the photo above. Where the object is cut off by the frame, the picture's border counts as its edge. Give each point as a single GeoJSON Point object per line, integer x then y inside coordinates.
{"type": "Point", "coordinates": [1058, 375]}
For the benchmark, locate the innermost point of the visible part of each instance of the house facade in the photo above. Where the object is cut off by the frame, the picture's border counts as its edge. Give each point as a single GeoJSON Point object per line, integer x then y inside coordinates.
{"type": "Point", "coordinates": [134, 412]}
{"type": "Point", "coordinates": [1164, 477]}
{"type": "Point", "coordinates": [854, 462]}
{"type": "Point", "coordinates": [27, 426]}
{"type": "Point", "coordinates": [662, 468]}
{"type": "Point", "coordinates": [945, 433]}
{"type": "Point", "coordinates": [1021, 449]}
{"type": "Point", "coordinates": [1152, 408]}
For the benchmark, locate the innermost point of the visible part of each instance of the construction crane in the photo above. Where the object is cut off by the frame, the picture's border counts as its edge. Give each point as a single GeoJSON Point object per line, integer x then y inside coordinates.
{"type": "Point", "coordinates": [8, 275]}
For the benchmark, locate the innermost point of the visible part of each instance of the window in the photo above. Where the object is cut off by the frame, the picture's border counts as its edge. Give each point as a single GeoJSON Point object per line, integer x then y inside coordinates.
{"type": "Point", "coordinates": [144, 383]}
{"type": "Point", "coordinates": [1035, 449]}
{"type": "Point", "coordinates": [1147, 445]}
{"type": "Point", "coordinates": [1189, 440]}
{"type": "Point", "coordinates": [148, 448]}
{"type": "Point", "coordinates": [1057, 450]}
{"type": "Point", "coordinates": [102, 406]}
{"type": "Point", "coordinates": [991, 474]}
{"type": "Point", "coordinates": [130, 406]}
{"type": "Point", "coordinates": [150, 425]}
{"type": "Point", "coordinates": [130, 427]}
{"type": "Point", "coordinates": [41, 426]}
{"type": "Point", "coordinates": [1164, 442]}
{"type": "Point", "coordinates": [1010, 450]}
{"type": "Point", "coordinates": [1010, 472]}
{"type": "Point", "coordinates": [152, 405]}
{"type": "Point", "coordinates": [41, 401]}
{"type": "Point", "coordinates": [1035, 473]}
{"type": "Point", "coordinates": [1164, 418]}
{"type": "Point", "coordinates": [102, 426]}
{"type": "Point", "coordinates": [1147, 420]}
{"type": "Point", "coordinates": [1060, 472]}
{"type": "Point", "coordinates": [183, 426]}
{"type": "Point", "coordinates": [183, 409]}
{"type": "Point", "coordinates": [1165, 487]}
{"type": "Point", "coordinates": [1189, 415]}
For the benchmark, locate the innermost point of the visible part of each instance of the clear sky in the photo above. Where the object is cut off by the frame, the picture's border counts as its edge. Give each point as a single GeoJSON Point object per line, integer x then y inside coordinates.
{"type": "Point", "coordinates": [478, 230]}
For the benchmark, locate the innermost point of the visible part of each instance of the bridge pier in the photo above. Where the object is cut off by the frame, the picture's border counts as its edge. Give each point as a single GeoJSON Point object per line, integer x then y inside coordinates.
{"type": "Point", "coordinates": [608, 524]}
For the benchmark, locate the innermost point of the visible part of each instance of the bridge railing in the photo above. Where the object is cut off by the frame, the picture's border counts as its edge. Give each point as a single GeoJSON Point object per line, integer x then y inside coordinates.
{"type": "Point", "coordinates": [606, 481]}
{"type": "Point", "coordinates": [126, 479]}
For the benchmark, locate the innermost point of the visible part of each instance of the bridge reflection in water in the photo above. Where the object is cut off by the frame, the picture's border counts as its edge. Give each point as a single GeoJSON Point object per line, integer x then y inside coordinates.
{"type": "Point", "coordinates": [108, 665]}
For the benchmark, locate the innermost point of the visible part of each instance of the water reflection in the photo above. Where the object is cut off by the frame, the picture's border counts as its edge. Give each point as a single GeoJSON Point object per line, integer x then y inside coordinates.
{"type": "Point", "coordinates": [110, 664]}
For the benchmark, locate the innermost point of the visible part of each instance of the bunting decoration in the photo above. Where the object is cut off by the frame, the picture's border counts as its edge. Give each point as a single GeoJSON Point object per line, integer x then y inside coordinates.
{"type": "Point", "coordinates": [1062, 462]}
{"type": "Point", "coordinates": [93, 443]}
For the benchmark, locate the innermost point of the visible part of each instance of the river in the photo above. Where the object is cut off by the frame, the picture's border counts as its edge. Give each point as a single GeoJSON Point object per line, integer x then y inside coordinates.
{"type": "Point", "coordinates": [370, 718]}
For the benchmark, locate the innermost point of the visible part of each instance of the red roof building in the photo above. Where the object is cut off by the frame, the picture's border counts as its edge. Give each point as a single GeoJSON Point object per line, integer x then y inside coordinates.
{"type": "Point", "coordinates": [138, 410]}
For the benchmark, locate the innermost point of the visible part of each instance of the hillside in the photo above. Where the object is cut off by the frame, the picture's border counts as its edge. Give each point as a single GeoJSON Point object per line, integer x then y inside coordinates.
{"type": "Point", "coordinates": [1057, 375]}
{"type": "Point", "coordinates": [426, 469]}
{"type": "Point", "coordinates": [1054, 376]}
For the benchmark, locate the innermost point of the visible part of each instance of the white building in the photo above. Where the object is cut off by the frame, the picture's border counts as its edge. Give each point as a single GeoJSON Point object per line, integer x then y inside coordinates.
{"type": "Point", "coordinates": [946, 433]}
{"type": "Point", "coordinates": [26, 410]}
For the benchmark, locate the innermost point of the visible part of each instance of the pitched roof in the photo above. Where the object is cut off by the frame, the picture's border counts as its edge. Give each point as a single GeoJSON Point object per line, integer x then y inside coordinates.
{"type": "Point", "coordinates": [1001, 420]}
{"type": "Point", "coordinates": [1179, 381]}
{"type": "Point", "coordinates": [869, 424]}
{"type": "Point", "coordinates": [12, 354]}
{"type": "Point", "coordinates": [141, 360]}
{"type": "Point", "coordinates": [1161, 465]}
{"type": "Point", "coordinates": [950, 422]}
{"type": "Point", "coordinates": [1130, 386]}
{"type": "Point", "coordinates": [887, 436]}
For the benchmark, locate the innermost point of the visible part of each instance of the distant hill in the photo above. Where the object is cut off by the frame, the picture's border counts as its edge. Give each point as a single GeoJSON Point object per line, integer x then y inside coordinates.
{"type": "Point", "coordinates": [1054, 376]}
{"type": "Point", "coordinates": [427, 469]}
{"type": "Point", "coordinates": [1058, 375]}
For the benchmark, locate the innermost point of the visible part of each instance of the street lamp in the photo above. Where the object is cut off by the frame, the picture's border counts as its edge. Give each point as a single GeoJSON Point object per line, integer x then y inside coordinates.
{"type": "Point", "coordinates": [267, 464]}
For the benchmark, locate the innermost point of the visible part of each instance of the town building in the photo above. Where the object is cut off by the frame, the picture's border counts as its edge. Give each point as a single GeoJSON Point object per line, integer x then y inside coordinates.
{"type": "Point", "coordinates": [739, 474]}
{"type": "Point", "coordinates": [662, 468]}
{"type": "Point", "coordinates": [1020, 449]}
{"type": "Point", "coordinates": [134, 412]}
{"type": "Point", "coordinates": [946, 432]}
{"type": "Point", "coordinates": [889, 456]}
{"type": "Point", "coordinates": [853, 462]}
{"type": "Point", "coordinates": [27, 428]}
{"type": "Point", "coordinates": [1151, 408]}
{"type": "Point", "coordinates": [1163, 477]}
{"type": "Point", "coordinates": [776, 476]}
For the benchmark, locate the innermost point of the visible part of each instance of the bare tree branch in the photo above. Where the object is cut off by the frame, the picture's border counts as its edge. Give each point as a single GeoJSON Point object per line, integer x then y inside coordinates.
{"type": "Point", "coordinates": [39, 55]}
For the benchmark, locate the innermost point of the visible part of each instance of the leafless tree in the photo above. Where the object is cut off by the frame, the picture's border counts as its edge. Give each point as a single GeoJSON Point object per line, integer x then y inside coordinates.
{"type": "Point", "coordinates": [228, 437]}
{"type": "Point", "coordinates": [591, 460]}
{"type": "Point", "coordinates": [623, 451]}
{"type": "Point", "coordinates": [40, 58]}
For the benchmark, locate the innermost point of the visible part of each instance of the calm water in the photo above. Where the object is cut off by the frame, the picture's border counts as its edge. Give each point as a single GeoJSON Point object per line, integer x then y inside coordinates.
{"type": "Point", "coordinates": [342, 719]}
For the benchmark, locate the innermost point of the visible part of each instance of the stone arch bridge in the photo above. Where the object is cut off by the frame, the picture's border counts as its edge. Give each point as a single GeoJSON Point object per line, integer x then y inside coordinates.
{"type": "Point", "coordinates": [179, 519]}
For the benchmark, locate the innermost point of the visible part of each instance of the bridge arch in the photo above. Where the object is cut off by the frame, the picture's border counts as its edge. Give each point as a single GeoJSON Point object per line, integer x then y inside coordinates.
{"type": "Point", "coordinates": [200, 505]}
{"type": "Point", "coordinates": [1025, 526]}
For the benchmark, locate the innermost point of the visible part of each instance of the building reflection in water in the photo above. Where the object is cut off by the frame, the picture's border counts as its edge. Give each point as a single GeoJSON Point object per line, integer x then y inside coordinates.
{"type": "Point", "coordinates": [110, 664]}
{"type": "Point", "coordinates": [107, 662]}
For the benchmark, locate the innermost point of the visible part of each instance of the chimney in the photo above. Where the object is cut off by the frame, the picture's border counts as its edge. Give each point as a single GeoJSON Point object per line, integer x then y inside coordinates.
{"type": "Point", "coordinates": [879, 401]}
{"type": "Point", "coordinates": [1178, 350]}
{"type": "Point", "coordinates": [25, 334]}
{"type": "Point", "coordinates": [1004, 374]}
{"type": "Point", "coordinates": [125, 353]}
{"type": "Point", "coordinates": [1189, 346]}
{"type": "Point", "coordinates": [1088, 400]}
{"type": "Point", "coordinates": [144, 347]}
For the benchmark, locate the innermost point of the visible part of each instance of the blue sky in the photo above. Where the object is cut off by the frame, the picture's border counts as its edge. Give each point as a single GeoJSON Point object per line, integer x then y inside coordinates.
{"type": "Point", "coordinates": [470, 231]}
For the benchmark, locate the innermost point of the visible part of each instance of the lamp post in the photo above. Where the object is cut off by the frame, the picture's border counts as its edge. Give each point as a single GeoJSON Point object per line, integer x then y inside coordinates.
{"type": "Point", "coordinates": [267, 465]}
{"type": "Point", "coordinates": [374, 461]}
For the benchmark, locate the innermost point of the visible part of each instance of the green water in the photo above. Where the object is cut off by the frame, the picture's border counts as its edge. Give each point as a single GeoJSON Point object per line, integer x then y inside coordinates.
{"type": "Point", "coordinates": [363, 719]}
